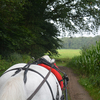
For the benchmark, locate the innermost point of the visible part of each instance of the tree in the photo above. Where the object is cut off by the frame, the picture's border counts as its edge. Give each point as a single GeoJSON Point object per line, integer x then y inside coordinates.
{"type": "Point", "coordinates": [76, 15]}
{"type": "Point", "coordinates": [23, 30]}
{"type": "Point", "coordinates": [79, 42]}
{"type": "Point", "coordinates": [26, 25]}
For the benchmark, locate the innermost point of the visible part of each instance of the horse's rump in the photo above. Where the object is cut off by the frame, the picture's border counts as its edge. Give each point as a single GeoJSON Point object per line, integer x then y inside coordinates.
{"type": "Point", "coordinates": [33, 81]}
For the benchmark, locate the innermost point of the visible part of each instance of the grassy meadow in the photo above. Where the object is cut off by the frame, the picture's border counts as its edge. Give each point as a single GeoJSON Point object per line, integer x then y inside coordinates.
{"type": "Point", "coordinates": [65, 55]}
{"type": "Point", "coordinates": [68, 53]}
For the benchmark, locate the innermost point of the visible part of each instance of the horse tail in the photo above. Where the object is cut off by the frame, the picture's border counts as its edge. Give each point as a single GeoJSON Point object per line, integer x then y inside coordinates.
{"type": "Point", "coordinates": [13, 89]}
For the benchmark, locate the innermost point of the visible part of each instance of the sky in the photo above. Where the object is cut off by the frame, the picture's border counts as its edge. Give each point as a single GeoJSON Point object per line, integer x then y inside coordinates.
{"type": "Point", "coordinates": [79, 35]}
{"type": "Point", "coordinates": [91, 35]}
{"type": "Point", "coordinates": [85, 34]}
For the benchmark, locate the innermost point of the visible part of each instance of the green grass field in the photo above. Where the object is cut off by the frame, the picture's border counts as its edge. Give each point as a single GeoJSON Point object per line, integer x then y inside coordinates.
{"type": "Point", "coordinates": [65, 56]}
{"type": "Point", "coordinates": [68, 53]}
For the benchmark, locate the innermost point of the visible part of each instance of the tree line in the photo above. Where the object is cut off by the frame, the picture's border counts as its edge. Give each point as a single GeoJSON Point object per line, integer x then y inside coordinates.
{"type": "Point", "coordinates": [79, 43]}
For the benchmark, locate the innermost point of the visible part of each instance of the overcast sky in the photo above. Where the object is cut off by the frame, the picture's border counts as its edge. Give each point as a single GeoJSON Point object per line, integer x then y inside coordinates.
{"type": "Point", "coordinates": [85, 34]}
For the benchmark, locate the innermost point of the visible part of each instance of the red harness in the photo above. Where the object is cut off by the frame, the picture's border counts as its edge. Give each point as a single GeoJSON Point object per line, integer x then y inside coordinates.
{"type": "Point", "coordinates": [55, 72]}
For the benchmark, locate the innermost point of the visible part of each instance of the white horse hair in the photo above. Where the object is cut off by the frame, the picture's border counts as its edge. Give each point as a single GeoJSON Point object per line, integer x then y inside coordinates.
{"type": "Point", "coordinates": [14, 88]}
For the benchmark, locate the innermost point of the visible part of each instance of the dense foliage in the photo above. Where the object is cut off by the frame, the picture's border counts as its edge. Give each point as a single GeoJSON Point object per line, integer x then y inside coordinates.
{"type": "Point", "coordinates": [79, 43]}
{"type": "Point", "coordinates": [87, 67]}
{"type": "Point", "coordinates": [89, 64]}
{"type": "Point", "coordinates": [23, 29]}
{"type": "Point", "coordinates": [14, 58]}
{"type": "Point", "coordinates": [26, 27]}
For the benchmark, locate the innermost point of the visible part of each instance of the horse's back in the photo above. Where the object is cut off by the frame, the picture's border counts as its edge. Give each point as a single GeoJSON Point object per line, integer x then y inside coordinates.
{"type": "Point", "coordinates": [8, 75]}
{"type": "Point", "coordinates": [34, 77]}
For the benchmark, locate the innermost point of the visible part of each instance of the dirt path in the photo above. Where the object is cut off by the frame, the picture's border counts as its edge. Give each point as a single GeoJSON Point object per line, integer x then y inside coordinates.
{"type": "Point", "coordinates": [76, 91]}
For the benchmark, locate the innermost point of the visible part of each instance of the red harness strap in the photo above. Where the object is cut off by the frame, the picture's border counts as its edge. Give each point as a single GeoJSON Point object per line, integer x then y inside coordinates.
{"type": "Point", "coordinates": [56, 73]}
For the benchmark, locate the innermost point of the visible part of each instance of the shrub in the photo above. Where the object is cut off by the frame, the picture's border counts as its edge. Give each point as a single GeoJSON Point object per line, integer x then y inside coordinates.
{"type": "Point", "coordinates": [89, 63]}
{"type": "Point", "coordinates": [12, 59]}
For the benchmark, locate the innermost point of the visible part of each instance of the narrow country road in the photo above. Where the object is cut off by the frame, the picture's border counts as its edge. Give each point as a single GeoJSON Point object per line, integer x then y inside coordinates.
{"type": "Point", "coordinates": [75, 90]}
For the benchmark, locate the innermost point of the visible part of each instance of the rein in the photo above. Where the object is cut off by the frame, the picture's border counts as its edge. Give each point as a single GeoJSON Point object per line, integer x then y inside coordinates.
{"type": "Point", "coordinates": [38, 88]}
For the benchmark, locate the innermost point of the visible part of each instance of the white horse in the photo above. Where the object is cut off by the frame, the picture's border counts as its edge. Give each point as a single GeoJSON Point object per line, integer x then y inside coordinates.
{"type": "Point", "coordinates": [14, 87]}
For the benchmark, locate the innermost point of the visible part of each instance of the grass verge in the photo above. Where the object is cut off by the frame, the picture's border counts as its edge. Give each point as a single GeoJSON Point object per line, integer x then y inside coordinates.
{"type": "Point", "coordinates": [92, 90]}
{"type": "Point", "coordinates": [85, 81]}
